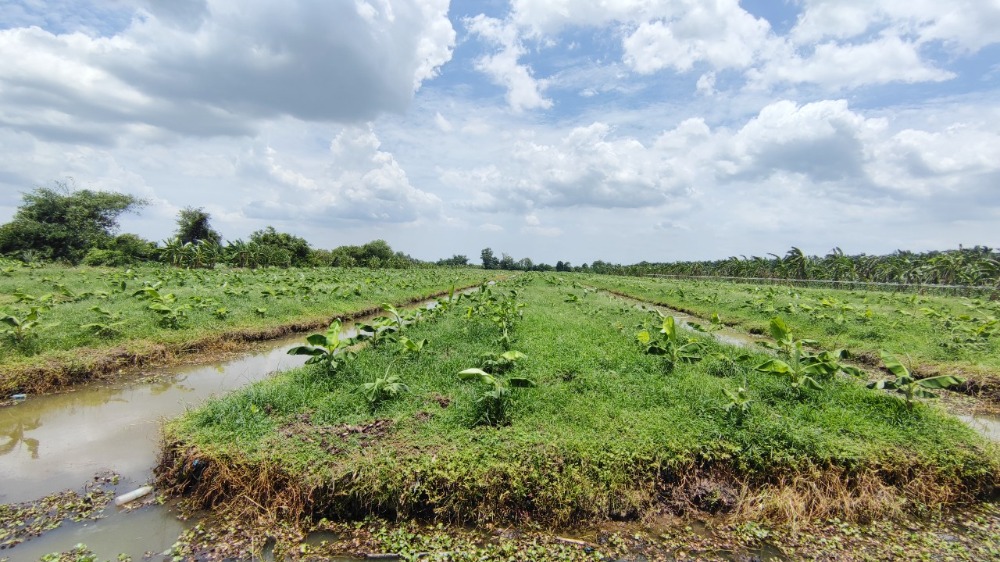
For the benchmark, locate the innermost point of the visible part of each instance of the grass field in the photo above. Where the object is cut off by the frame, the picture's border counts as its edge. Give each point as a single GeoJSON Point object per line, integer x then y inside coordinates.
{"type": "Point", "coordinates": [63, 325]}
{"type": "Point", "coordinates": [933, 334]}
{"type": "Point", "coordinates": [585, 426]}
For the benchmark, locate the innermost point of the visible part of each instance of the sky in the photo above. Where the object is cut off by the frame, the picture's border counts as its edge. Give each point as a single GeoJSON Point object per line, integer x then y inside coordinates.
{"type": "Point", "coordinates": [573, 130]}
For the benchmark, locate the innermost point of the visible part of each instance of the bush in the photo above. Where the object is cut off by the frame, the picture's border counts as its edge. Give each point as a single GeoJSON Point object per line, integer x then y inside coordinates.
{"type": "Point", "coordinates": [111, 258]}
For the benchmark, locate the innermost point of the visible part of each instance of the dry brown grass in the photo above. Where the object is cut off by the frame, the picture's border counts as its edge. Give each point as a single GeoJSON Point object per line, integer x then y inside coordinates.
{"type": "Point", "coordinates": [794, 498]}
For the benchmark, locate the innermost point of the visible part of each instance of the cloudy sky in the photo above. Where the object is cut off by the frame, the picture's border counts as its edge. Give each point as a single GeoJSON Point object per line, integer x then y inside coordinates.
{"type": "Point", "coordinates": [576, 130]}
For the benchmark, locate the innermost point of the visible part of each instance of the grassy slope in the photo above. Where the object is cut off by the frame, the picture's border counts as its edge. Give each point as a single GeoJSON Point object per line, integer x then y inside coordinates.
{"type": "Point", "coordinates": [60, 345]}
{"type": "Point", "coordinates": [606, 433]}
{"type": "Point", "coordinates": [899, 322]}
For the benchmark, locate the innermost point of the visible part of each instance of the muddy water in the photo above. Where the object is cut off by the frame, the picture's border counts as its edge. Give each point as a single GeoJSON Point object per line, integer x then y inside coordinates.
{"type": "Point", "coordinates": [61, 440]}
{"type": "Point", "coordinates": [987, 424]}
{"type": "Point", "coordinates": [725, 335]}
{"type": "Point", "coordinates": [57, 442]}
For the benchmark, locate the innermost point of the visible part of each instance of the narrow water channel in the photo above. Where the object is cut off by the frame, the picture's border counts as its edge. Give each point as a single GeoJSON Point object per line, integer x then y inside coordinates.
{"type": "Point", "coordinates": [58, 442]}
{"type": "Point", "coordinates": [986, 423]}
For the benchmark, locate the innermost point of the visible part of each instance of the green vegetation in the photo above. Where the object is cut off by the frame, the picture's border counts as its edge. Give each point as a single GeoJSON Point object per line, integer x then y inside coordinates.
{"type": "Point", "coordinates": [596, 429]}
{"type": "Point", "coordinates": [909, 386]}
{"type": "Point", "coordinates": [60, 224]}
{"type": "Point", "coordinates": [936, 334]}
{"type": "Point", "coordinates": [193, 226]}
{"type": "Point", "coordinates": [23, 521]}
{"type": "Point", "coordinates": [978, 266]}
{"type": "Point", "coordinates": [59, 325]}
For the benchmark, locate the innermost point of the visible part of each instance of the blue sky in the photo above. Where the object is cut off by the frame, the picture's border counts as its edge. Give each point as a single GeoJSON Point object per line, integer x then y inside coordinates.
{"type": "Point", "coordinates": [552, 129]}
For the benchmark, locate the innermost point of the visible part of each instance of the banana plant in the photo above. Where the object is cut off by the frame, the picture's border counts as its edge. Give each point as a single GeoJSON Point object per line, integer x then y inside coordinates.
{"type": "Point", "coordinates": [494, 404]}
{"type": "Point", "coordinates": [784, 339]}
{"type": "Point", "coordinates": [109, 325]}
{"type": "Point", "coordinates": [328, 350]}
{"type": "Point", "coordinates": [739, 402]}
{"type": "Point", "coordinates": [21, 296]}
{"type": "Point", "coordinates": [383, 388]}
{"type": "Point", "coordinates": [801, 369]}
{"type": "Point", "coordinates": [380, 330]}
{"type": "Point", "coordinates": [908, 385]}
{"type": "Point", "coordinates": [670, 345]}
{"type": "Point", "coordinates": [411, 347]}
{"type": "Point", "coordinates": [496, 363]}
{"type": "Point", "coordinates": [396, 317]}
{"type": "Point", "coordinates": [21, 328]}
{"type": "Point", "coordinates": [715, 324]}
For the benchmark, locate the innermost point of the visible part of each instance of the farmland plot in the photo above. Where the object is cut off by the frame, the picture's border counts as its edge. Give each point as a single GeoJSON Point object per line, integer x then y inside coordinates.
{"type": "Point", "coordinates": [543, 403]}
{"type": "Point", "coordinates": [60, 326]}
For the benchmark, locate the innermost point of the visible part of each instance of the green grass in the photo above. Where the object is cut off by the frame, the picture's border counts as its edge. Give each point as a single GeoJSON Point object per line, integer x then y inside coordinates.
{"type": "Point", "coordinates": [215, 303]}
{"type": "Point", "coordinates": [608, 432]}
{"type": "Point", "coordinates": [927, 330]}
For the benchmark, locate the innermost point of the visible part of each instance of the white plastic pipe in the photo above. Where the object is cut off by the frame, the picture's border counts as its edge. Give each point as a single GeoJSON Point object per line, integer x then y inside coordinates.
{"type": "Point", "coordinates": [133, 495]}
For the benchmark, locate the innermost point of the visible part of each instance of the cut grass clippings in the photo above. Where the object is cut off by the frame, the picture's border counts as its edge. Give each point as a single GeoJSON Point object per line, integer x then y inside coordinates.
{"type": "Point", "coordinates": [607, 433]}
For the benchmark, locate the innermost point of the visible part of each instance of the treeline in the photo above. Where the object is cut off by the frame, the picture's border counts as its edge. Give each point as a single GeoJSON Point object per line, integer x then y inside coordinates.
{"type": "Point", "coordinates": [79, 227]}
{"type": "Point", "coordinates": [506, 262]}
{"type": "Point", "coordinates": [976, 266]}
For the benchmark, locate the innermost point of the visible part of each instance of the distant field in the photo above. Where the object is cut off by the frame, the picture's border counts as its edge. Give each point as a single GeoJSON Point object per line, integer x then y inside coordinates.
{"type": "Point", "coordinates": [62, 325]}
{"type": "Point", "coordinates": [933, 334]}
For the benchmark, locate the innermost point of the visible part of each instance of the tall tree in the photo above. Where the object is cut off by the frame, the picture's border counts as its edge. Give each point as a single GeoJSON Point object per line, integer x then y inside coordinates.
{"type": "Point", "coordinates": [193, 225]}
{"type": "Point", "coordinates": [489, 260]}
{"type": "Point", "coordinates": [270, 239]}
{"type": "Point", "coordinates": [62, 224]}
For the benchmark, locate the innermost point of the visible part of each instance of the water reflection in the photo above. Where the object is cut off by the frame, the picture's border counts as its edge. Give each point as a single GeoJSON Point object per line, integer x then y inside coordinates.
{"type": "Point", "coordinates": [14, 435]}
{"type": "Point", "coordinates": [49, 443]}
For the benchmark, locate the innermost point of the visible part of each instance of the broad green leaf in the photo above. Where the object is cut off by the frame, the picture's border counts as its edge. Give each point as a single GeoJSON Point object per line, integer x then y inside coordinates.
{"type": "Point", "coordinates": [318, 340]}
{"type": "Point", "coordinates": [669, 328]}
{"type": "Point", "coordinates": [894, 366]}
{"type": "Point", "coordinates": [941, 381]}
{"type": "Point", "coordinates": [521, 382]}
{"type": "Point", "coordinates": [477, 375]}
{"type": "Point", "coordinates": [774, 366]}
{"type": "Point", "coordinates": [852, 371]}
{"type": "Point", "coordinates": [808, 381]}
{"type": "Point", "coordinates": [306, 350]}
{"type": "Point", "coordinates": [779, 330]}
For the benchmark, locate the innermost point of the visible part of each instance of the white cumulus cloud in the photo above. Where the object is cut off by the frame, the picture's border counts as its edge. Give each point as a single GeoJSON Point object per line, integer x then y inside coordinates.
{"type": "Point", "coordinates": [214, 67]}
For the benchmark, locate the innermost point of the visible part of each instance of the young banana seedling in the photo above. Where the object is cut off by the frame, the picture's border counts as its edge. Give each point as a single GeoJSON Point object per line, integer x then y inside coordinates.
{"type": "Point", "coordinates": [383, 388]}
{"type": "Point", "coordinates": [494, 404]}
{"type": "Point", "coordinates": [674, 348]}
{"type": "Point", "coordinates": [328, 350]}
{"type": "Point", "coordinates": [908, 385]}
